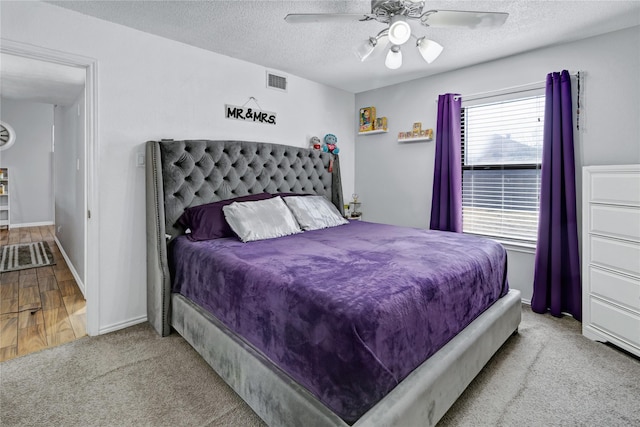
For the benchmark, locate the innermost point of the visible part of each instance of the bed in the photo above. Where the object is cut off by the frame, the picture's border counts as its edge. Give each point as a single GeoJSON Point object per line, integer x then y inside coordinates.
{"type": "Point", "coordinates": [243, 335]}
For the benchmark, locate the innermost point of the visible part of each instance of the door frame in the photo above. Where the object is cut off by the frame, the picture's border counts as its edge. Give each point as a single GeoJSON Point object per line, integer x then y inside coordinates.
{"type": "Point", "coordinates": [92, 163]}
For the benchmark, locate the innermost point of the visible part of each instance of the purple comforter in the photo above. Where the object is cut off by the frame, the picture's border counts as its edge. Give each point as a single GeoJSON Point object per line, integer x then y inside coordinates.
{"type": "Point", "coordinates": [347, 311]}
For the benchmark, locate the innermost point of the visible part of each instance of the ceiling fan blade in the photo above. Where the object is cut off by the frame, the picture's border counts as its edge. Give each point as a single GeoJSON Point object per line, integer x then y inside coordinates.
{"type": "Point", "coordinates": [462, 18]}
{"type": "Point", "coordinates": [305, 18]}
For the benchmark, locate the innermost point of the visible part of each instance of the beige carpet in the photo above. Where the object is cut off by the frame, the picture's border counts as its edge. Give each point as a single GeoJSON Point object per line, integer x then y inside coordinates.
{"type": "Point", "coordinates": [550, 375]}
{"type": "Point", "coordinates": [547, 375]}
{"type": "Point", "coordinates": [131, 377]}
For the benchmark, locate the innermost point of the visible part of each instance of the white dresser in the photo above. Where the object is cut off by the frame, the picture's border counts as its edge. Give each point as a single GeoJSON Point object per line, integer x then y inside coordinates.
{"type": "Point", "coordinates": [611, 255]}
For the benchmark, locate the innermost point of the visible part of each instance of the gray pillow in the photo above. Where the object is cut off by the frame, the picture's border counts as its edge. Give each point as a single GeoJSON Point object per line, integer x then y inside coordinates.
{"type": "Point", "coordinates": [314, 212]}
{"type": "Point", "coordinates": [259, 220]}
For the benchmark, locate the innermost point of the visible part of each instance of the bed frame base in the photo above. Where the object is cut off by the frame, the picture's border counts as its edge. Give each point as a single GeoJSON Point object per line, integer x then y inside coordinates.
{"type": "Point", "coordinates": [421, 399]}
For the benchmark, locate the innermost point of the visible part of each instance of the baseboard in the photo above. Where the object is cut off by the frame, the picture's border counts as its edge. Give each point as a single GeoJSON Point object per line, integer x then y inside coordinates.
{"type": "Point", "coordinates": [121, 325]}
{"type": "Point", "coordinates": [31, 224]}
{"type": "Point", "coordinates": [528, 302]}
{"type": "Point", "coordinates": [72, 268]}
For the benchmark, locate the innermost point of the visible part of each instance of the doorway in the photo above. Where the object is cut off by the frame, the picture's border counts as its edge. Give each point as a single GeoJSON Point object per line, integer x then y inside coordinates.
{"type": "Point", "coordinates": [86, 161]}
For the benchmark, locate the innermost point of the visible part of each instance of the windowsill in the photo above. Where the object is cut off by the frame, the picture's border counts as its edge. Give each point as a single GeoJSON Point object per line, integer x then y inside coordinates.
{"type": "Point", "coordinates": [511, 245]}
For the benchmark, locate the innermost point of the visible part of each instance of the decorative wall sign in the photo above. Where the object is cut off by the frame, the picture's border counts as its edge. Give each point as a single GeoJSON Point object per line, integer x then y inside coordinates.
{"type": "Point", "coordinates": [249, 114]}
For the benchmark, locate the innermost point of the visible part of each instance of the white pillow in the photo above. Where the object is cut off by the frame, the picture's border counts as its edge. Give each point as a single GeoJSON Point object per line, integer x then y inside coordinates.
{"type": "Point", "coordinates": [259, 220]}
{"type": "Point", "coordinates": [314, 212]}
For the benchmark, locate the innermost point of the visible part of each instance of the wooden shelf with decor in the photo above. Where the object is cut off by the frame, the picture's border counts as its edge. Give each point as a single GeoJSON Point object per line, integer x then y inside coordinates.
{"type": "Point", "coordinates": [369, 124]}
{"type": "Point", "coordinates": [416, 134]}
{"type": "Point", "coordinates": [373, 132]}
{"type": "Point", "coordinates": [5, 206]}
{"type": "Point", "coordinates": [416, 139]}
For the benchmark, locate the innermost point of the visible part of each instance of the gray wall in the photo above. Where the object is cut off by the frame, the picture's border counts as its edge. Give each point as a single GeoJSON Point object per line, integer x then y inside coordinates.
{"type": "Point", "coordinates": [394, 180]}
{"type": "Point", "coordinates": [70, 206]}
{"type": "Point", "coordinates": [30, 162]}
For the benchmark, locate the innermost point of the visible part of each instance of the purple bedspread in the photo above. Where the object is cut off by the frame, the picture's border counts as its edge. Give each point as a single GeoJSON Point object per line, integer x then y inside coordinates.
{"type": "Point", "coordinates": [348, 311]}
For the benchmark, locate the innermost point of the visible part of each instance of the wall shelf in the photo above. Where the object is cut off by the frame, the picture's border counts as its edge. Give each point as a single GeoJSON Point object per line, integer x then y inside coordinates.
{"type": "Point", "coordinates": [371, 132]}
{"type": "Point", "coordinates": [414, 139]}
{"type": "Point", "coordinates": [5, 219]}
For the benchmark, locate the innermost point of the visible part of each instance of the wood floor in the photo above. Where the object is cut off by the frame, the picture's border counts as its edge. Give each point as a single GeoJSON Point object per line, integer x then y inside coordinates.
{"type": "Point", "coordinates": [39, 307]}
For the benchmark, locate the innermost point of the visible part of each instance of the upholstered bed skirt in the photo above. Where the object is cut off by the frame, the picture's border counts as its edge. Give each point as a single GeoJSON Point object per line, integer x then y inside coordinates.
{"type": "Point", "coordinates": [420, 400]}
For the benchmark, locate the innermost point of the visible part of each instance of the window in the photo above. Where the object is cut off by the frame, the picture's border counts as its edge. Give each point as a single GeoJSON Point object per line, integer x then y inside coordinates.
{"type": "Point", "coordinates": [501, 160]}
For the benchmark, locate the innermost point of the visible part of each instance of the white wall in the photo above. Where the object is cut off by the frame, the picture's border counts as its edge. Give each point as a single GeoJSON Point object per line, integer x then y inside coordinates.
{"type": "Point", "coordinates": [394, 180]}
{"type": "Point", "coordinates": [69, 170]}
{"type": "Point", "coordinates": [151, 88]}
{"type": "Point", "coordinates": [30, 162]}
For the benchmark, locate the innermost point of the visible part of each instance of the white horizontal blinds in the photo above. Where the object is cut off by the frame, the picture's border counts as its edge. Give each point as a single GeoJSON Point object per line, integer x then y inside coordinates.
{"type": "Point", "coordinates": [501, 157]}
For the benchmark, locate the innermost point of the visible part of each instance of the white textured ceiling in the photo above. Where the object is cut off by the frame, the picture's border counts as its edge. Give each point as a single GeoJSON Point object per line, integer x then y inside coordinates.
{"type": "Point", "coordinates": [37, 81]}
{"type": "Point", "coordinates": [255, 31]}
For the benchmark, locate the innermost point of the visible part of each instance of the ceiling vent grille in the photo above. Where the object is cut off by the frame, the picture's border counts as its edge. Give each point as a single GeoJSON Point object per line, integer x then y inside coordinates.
{"type": "Point", "coordinates": [276, 82]}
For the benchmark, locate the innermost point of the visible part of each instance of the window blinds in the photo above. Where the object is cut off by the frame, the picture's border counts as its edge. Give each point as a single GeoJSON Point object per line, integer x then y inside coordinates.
{"type": "Point", "coordinates": [501, 159]}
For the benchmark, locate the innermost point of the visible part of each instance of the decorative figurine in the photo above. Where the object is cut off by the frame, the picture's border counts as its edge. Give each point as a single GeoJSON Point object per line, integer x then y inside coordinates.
{"type": "Point", "coordinates": [330, 144]}
{"type": "Point", "coordinates": [316, 144]}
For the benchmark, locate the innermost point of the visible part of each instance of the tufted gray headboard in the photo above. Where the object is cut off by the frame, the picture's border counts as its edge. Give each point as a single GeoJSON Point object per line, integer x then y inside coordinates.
{"type": "Point", "coordinates": [181, 174]}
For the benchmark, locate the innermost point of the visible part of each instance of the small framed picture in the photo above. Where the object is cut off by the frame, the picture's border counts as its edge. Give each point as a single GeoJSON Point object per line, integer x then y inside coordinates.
{"type": "Point", "coordinates": [367, 119]}
{"type": "Point", "coordinates": [417, 127]}
{"type": "Point", "coordinates": [381, 123]}
{"type": "Point", "coordinates": [429, 133]}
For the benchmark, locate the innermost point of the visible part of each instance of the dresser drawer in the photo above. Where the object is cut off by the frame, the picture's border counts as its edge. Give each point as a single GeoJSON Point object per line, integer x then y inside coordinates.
{"type": "Point", "coordinates": [615, 254]}
{"type": "Point", "coordinates": [615, 321]}
{"type": "Point", "coordinates": [622, 290]}
{"type": "Point", "coordinates": [615, 221]}
{"type": "Point", "coordinates": [618, 187]}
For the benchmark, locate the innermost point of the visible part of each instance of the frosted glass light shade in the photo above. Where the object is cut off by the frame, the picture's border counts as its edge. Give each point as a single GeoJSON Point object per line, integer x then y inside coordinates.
{"type": "Point", "coordinates": [394, 58]}
{"type": "Point", "coordinates": [429, 49]}
{"type": "Point", "coordinates": [399, 30]}
{"type": "Point", "coordinates": [365, 49]}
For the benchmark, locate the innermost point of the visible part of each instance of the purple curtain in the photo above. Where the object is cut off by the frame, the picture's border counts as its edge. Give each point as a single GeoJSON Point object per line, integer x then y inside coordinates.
{"type": "Point", "coordinates": [446, 204]}
{"type": "Point", "coordinates": [556, 285]}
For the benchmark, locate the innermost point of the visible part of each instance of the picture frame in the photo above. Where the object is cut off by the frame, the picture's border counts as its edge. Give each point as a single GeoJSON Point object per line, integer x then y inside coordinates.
{"type": "Point", "coordinates": [417, 127]}
{"type": "Point", "coordinates": [367, 118]}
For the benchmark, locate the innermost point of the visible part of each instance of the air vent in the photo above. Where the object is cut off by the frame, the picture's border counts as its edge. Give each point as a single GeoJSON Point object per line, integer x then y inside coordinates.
{"type": "Point", "coordinates": [276, 82]}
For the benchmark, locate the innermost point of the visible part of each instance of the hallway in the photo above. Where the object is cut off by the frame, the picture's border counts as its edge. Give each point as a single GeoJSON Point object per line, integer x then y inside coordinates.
{"type": "Point", "coordinates": [39, 307]}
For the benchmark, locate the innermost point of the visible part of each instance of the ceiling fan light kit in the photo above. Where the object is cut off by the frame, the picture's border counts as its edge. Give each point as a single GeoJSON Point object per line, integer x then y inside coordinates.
{"type": "Point", "coordinates": [365, 49]}
{"type": "Point", "coordinates": [399, 30]}
{"type": "Point", "coordinates": [394, 58]}
{"type": "Point", "coordinates": [429, 49]}
{"type": "Point", "coordinates": [396, 14]}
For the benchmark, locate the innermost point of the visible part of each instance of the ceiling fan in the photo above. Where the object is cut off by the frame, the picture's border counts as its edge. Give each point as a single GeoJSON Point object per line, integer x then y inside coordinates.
{"type": "Point", "coordinates": [397, 13]}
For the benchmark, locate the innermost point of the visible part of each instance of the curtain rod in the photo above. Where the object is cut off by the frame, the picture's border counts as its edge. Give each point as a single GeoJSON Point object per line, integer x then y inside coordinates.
{"type": "Point", "coordinates": [509, 90]}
